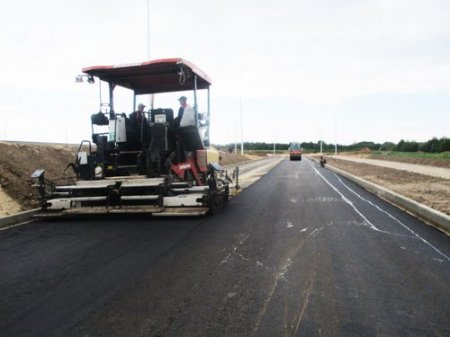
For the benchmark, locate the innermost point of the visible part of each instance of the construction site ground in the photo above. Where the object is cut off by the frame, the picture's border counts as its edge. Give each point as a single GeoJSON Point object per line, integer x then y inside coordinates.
{"type": "Point", "coordinates": [19, 160]}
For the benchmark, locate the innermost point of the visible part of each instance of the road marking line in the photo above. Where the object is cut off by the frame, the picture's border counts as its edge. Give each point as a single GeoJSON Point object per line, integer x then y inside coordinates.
{"type": "Point", "coordinates": [394, 218]}
{"type": "Point", "coordinates": [344, 198]}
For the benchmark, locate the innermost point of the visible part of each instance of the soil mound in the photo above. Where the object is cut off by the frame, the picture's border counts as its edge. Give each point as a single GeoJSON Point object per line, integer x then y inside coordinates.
{"type": "Point", "coordinates": [18, 161]}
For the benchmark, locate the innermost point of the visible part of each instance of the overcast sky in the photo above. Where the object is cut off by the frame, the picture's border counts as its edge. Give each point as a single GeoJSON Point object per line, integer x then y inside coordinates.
{"type": "Point", "coordinates": [350, 70]}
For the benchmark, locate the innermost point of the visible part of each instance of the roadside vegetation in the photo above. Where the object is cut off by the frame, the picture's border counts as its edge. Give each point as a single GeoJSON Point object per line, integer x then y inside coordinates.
{"type": "Point", "coordinates": [421, 158]}
{"type": "Point", "coordinates": [440, 146]}
{"type": "Point", "coordinates": [413, 155]}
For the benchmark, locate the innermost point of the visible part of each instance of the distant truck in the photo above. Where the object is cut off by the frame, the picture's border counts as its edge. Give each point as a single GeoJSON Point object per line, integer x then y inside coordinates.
{"type": "Point", "coordinates": [295, 151]}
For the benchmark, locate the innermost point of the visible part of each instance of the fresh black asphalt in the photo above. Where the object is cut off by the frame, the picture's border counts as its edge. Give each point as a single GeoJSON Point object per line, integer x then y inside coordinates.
{"type": "Point", "coordinates": [302, 252]}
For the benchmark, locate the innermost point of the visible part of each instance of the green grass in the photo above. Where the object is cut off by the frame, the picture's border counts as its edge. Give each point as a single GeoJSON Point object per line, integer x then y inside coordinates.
{"type": "Point", "coordinates": [414, 155]}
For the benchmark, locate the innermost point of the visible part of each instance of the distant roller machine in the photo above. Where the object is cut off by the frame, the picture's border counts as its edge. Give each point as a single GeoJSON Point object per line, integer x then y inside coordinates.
{"type": "Point", "coordinates": [295, 151]}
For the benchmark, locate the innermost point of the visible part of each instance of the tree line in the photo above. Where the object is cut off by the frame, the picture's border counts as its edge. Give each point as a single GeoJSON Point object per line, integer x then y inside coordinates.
{"type": "Point", "coordinates": [433, 145]}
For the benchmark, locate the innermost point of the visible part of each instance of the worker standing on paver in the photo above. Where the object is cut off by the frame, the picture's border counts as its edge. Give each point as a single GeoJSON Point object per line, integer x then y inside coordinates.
{"type": "Point", "coordinates": [186, 115]}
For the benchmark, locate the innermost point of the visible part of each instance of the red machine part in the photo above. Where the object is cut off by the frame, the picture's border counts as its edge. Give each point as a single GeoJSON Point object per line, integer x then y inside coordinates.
{"type": "Point", "coordinates": [195, 165]}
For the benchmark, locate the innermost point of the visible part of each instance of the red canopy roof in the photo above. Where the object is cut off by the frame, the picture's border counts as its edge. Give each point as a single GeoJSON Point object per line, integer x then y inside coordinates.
{"type": "Point", "coordinates": [163, 75]}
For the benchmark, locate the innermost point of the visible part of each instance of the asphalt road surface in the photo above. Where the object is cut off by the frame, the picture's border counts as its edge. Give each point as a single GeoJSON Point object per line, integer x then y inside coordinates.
{"type": "Point", "coordinates": [301, 252]}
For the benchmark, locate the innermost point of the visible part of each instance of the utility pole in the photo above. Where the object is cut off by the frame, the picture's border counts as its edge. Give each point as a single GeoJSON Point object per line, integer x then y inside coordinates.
{"type": "Point", "coordinates": [335, 137]}
{"type": "Point", "coordinates": [321, 141]}
{"type": "Point", "coordinates": [235, 137]}
{"type": "Point", "coordinates": [152, 97]}
{"type": "Point", "coordinates": [148, 29]}
{"type": "Point", "coordinates": [242, 138]}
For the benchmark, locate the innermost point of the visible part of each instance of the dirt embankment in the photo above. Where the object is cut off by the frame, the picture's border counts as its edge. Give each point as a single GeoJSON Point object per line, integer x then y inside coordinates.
{"type": "Point", "coordinates": [17, 163]}
{"type": "Point", "coordinates": [231, 158]}
{"type": "Point", "coordinates": [228, 158]}
{"type": "Point", "coordinates": [366, 153]}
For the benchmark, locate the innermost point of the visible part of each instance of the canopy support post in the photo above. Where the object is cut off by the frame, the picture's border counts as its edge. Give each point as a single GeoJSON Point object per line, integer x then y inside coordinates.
{"type": "Point", "coordinates": [195, 100]}
{"type": "Point", "coordinates": [111, 96]}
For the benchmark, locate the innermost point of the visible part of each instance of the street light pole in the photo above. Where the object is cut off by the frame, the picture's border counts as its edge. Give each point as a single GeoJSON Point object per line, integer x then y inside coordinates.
{"type": "Point", "coordinates": [321, 136]}
{"type": "Point", "coordinates": [152, 97]}
{"type": "Point", "coordinates": [335, 137]}
{"type": "Point", "coordinates": [242, 138]}
{"type": "Point", "coordinates": [148, 29]}
{"type": "Point", "coordinates": [235, 137]}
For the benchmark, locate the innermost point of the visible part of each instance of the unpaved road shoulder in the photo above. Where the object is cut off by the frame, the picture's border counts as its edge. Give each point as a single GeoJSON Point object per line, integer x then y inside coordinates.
{"type": "Point", "coordinates": [439, 172]}
{"type": "Point", "coordinates": [8, 206]}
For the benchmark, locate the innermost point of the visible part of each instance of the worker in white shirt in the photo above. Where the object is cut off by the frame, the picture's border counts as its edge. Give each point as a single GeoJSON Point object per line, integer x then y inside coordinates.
{"type": "Point", "coordinates": [186, 115]}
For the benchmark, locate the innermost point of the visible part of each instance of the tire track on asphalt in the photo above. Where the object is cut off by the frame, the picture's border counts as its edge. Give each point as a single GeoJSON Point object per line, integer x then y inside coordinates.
{"type": "Point", "coordinates": [306, 293]}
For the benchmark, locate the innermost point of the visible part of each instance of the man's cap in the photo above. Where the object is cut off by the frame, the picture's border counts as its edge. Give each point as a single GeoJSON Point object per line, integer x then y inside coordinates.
{"type": "Point", "coordinates": [182, 98]}
{"type": "Point", "coordinates": [141, 106]}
